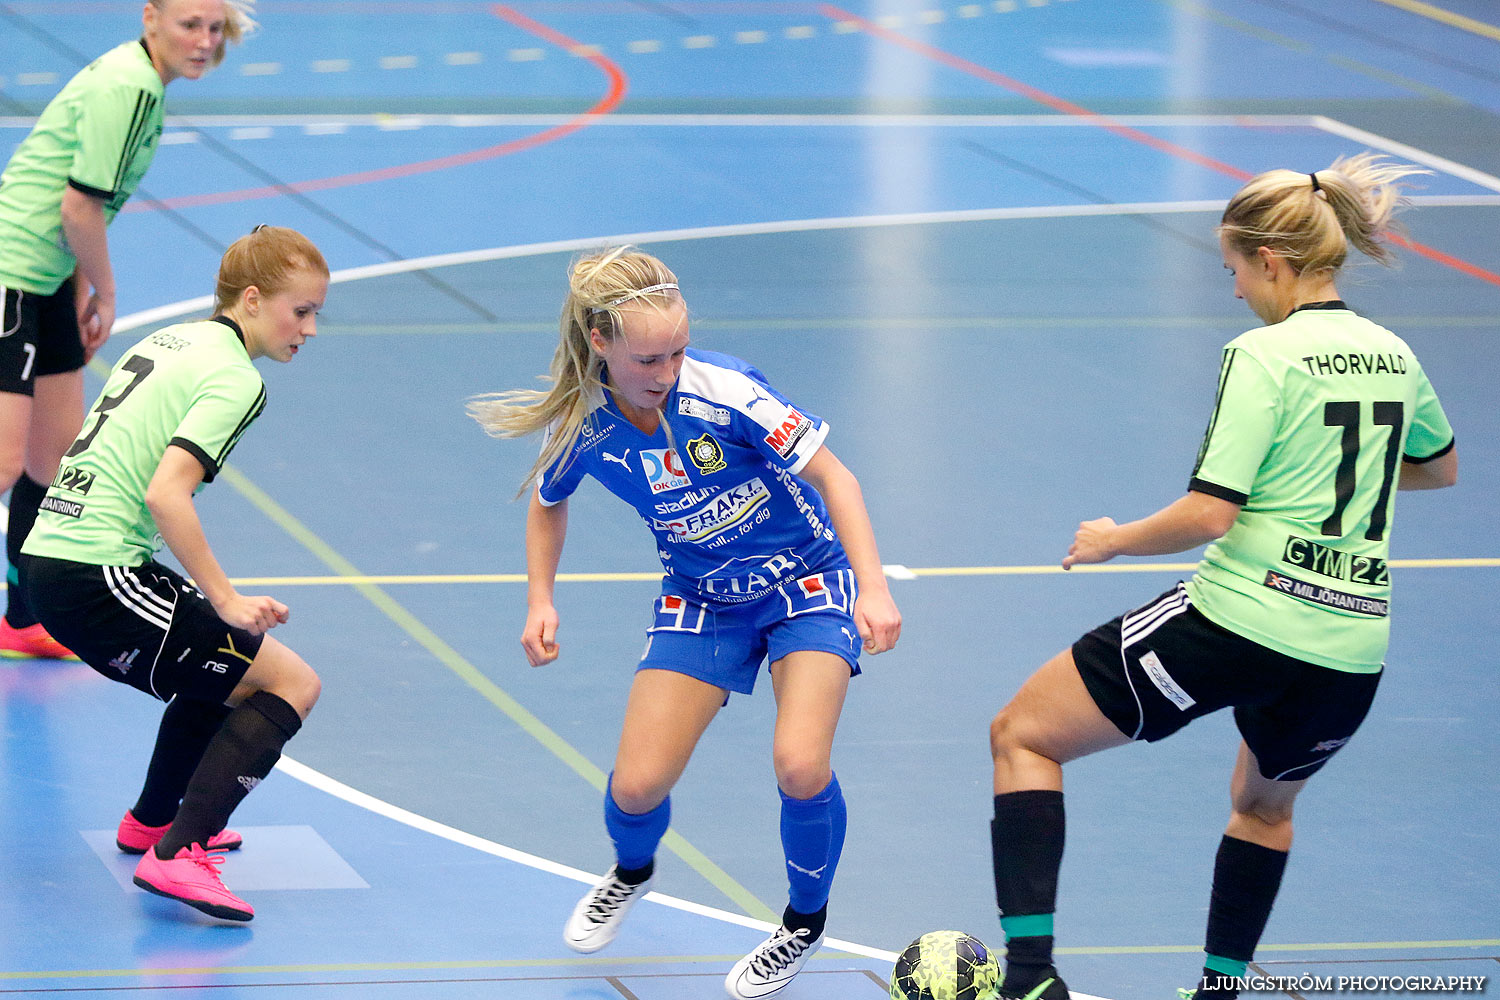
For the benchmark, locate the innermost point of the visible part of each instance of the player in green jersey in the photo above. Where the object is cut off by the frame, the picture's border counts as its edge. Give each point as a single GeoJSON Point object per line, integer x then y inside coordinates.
{"type": "Point", "coordinates": [63, 185]}
{"type": "Point", "coordinates": [1320, 416]}
{"type": "Point", "coordinates": [171, 411]}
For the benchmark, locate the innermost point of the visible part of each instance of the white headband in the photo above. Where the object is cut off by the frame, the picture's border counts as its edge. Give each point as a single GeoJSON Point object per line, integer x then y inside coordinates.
{"type": "Point", "coordinates": [665, 286]}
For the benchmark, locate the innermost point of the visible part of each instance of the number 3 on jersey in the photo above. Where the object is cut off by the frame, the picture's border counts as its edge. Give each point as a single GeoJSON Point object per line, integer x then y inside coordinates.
{"type": "Point", "coordinates": [139, 367]}
{"type": "Point", "coordinates": [1347, 415]}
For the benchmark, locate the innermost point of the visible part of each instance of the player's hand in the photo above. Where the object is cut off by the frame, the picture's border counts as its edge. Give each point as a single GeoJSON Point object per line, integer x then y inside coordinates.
{"type": "Point", "coordinates": [256, 615]}
{"type": "Point", "coordinates": [878, 620]}
{"type": "Point", "coordinates": [539, 640]}
{"type": "Point", "coordinates": [1094, 543]}
{"type": "Point", "coordinates": [95, 321]}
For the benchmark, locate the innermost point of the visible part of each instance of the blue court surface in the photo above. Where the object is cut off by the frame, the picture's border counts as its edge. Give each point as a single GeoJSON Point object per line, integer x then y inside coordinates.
{"type": "Point", "coordinates": [978, 239]}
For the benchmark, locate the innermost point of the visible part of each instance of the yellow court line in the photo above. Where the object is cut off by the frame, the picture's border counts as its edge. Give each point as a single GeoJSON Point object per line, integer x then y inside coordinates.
{"type": "Point", "coordinates": [354, 579]}
{"type": "Point", "coordinates": [574, 961]}
{"type": "Point", "coordinates": [1447, 17]}
{"type": "Point", "coordinates": [492, 692]}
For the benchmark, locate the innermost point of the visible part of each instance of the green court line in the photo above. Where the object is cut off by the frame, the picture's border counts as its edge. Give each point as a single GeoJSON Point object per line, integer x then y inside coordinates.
{"type": "Point", "coordinates": [353, 579]}
{"type": "Point", "coordinates": [585, 960]}
{"type": "Point", "coordinates": [1447, 17]}
{"type": "Point", "coordinates": [493, 693]}
{"type": "Point", "coordinates": [456, 965]}
{"type": "Point", "coordinates": [1176, 949]}
{"type": "Point", "coordinates": [1297, 45]}
{"type": "Point", "coordinates": [863, 323]}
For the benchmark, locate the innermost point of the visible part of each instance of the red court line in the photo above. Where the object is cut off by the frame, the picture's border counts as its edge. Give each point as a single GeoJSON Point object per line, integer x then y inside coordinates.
{"type": "Point", "coordinates": [1109, 124]}
{"type": "Point", "coordinates": [617, 87]}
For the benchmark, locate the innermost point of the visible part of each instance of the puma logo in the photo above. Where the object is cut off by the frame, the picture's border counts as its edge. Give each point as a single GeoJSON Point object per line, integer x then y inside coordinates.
{"type": "Point", "coordinates": [757, 398]}
{"type": "Point", "coordinates": [620, 460]}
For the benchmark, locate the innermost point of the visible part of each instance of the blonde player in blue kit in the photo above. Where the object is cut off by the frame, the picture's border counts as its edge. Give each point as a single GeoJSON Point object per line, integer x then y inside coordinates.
{"type": "Point", "coordinates": [1321, 416]}
{"type": "Point", "coordinates": [769, 556]}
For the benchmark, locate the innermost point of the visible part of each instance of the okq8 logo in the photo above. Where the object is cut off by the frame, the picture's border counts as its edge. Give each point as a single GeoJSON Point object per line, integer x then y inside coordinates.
{"type": "Point", "coordinates": [664, 469]}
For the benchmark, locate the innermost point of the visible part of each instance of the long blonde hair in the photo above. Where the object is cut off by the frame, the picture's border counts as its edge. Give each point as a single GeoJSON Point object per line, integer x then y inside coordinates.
{"type": "Point", "coordinates": [598, 285]}
{"type": "Point", "coordinates": [1311, 219]}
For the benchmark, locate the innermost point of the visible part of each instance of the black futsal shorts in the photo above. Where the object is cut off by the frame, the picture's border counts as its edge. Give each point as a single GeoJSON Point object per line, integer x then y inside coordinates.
{"type": "Point", "coordinates": [38, 336]}
{"type": "Point", "coordinates": [144, 626]}
{"type": "Point", "coordinates": [1157, 668]}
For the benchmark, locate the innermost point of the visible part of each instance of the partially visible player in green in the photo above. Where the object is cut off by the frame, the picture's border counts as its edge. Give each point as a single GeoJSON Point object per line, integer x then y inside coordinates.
{"type": "Point", "coordinates": [171, 411]}
{"type": "Point", "coordinates": [1321, 416]}
{"type": "Point", "coordinates": [64, 184]}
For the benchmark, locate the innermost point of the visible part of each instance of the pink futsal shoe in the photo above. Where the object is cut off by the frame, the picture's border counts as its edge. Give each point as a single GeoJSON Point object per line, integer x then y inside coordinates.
{"type": "Point", "coordinates": [192, 877]}
{"type": "Point", "coordinates": [135, 837]}
{"type": "Point", "coordinates": [31, 643]}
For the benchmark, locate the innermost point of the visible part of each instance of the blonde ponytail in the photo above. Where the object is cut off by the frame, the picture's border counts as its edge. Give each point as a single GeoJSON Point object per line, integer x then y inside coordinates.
{"type": "Point", "coordinates": [1312, 219]}
{"type": "Point", "coordinates": [598, 284]}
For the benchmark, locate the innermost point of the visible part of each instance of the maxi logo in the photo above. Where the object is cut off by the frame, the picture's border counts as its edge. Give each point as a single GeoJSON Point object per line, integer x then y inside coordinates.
{"type": "Point", "coordinates": [783, 438]}
{"type": "Point", "coordinates": [733, 506]}
{"type": "Point", "coordinates": [664, 469]}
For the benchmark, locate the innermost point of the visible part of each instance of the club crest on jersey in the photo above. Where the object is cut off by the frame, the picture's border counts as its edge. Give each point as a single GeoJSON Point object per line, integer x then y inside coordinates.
{"type": "Point", "coordinates": [706, 454]}
{"type": "Point", "coordinates": [664, 469]}
{"type": "Point", "coordinates": [784, 437]}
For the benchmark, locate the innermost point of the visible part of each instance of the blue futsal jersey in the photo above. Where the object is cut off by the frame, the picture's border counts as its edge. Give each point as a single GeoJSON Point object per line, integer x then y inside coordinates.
{"type": "Point", "coordinates": [732, 520]}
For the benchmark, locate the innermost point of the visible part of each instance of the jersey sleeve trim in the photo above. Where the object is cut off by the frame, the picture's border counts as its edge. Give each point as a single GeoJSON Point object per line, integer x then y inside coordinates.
{"type": "Point", "coordinates": [1424, 459]}
{"type": "Point", "coordinates": [245, 422]}
{"type": "Point", "coordinates": [809, 448]}
{"type": "Point", "coordinates": [92, 192]}
{"type": "Point", "coordinates": [210, 470]}
{"type": "Point", "coordinates": [1196, 485]}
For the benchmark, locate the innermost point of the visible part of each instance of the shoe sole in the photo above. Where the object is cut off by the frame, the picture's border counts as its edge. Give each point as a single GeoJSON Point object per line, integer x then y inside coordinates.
{"type": "Point", "coordinates": [212, 909]}
{"type": "Point", "coordinates": [138, 851]}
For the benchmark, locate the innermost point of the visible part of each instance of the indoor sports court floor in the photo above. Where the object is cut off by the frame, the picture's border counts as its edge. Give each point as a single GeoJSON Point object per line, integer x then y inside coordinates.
{"type": "Point", "coordinates": [977, 238]}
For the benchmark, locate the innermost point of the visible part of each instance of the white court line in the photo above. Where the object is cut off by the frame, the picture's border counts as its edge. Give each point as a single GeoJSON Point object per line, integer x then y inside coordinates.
{"type": "Point", "coordinates": [1412, 153]}
{"type": "Point", "coordinates": [354, 796]}
{"type": "Point", "coordinates": [435, 261]}
{"type": "Point", "coordinates": [742, 121]}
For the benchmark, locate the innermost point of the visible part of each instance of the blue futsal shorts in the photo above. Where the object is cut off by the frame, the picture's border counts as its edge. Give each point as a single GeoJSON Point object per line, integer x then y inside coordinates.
{"type": "Point", "coordinates": [725, 644]}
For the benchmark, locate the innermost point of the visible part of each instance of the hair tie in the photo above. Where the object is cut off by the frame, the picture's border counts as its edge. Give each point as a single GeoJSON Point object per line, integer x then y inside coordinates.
{"type": "Point", "coordinates": [665, 286]}
{"type": "Point", "coordinates": [1316, 186]}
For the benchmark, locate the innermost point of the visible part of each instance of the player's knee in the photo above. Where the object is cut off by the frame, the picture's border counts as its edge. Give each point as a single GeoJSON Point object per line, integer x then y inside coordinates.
{"type": "Point", "coordinates": [636, 793]}
{"type": "Point", "coordinates": [12, 464]}
{"type": "Point", "coordinates": [1004, 733]}
{"type": "Point", "coordinates": [802, 774]}
{"type": "Point", "coordinates": [1262, 812]}
{"type": "Point", "coordinates": [283, 673]}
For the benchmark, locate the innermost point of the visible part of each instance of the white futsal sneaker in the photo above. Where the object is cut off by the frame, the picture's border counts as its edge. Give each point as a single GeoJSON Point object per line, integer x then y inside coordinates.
{"type": "Point", "coordinates": [772, 965]}
{"type": "Point", "coordinates": [597, 917]}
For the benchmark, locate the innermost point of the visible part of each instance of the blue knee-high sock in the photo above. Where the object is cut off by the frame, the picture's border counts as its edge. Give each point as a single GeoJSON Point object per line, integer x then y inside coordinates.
{"type": "Point", "coordinates": [812, 837]}
{"type": "Point", "coordinates": [635, 836]}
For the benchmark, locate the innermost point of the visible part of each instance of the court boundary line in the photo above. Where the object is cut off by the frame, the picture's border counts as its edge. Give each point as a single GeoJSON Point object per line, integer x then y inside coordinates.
{"type": "Point", "coordinates": [1110, 124]}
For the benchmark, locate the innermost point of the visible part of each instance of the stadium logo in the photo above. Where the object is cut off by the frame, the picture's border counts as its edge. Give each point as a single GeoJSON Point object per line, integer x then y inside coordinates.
{"type": "Point", "coordinates": [733, 507]}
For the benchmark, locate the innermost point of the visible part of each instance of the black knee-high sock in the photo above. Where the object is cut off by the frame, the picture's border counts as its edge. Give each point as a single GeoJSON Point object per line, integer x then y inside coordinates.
{"type": "Point", "coordinates": [187, 727]}
{"type": "Point", "coordinates": [1246, 879]}
{"type": "Point", "coordinates": [1027, 837]}
{"type": "Point", "coordinates": [25, 497]}
{"type": "Point", "coordinates": [242, 753]}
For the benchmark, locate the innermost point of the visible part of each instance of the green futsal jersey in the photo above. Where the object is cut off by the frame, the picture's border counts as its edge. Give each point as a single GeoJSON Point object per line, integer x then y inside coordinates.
{"type": "Point", "coordinates": [190, 385]}
{"type": "Point", "coordinates": [1313, 418]}
{"type": "Point", "coordinates": [98, 135]}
